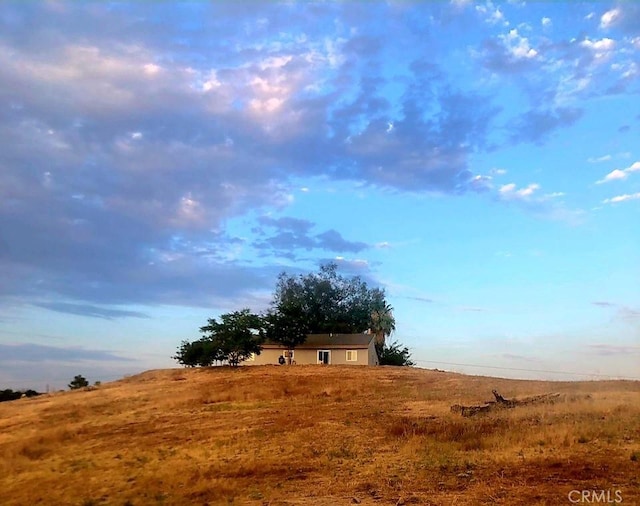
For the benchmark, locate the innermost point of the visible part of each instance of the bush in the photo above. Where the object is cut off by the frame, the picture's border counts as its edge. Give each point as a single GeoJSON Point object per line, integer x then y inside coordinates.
{"type": "Point", "coordinates": [394, 354]}
{"type": "Point", "coordinates": [78, 381]}
{"type": "Point", "coordinates": [10, 395]}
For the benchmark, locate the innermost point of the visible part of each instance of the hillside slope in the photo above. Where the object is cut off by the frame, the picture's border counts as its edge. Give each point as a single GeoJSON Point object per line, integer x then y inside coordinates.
{"type": "Point", "coordinates": [318, 435]}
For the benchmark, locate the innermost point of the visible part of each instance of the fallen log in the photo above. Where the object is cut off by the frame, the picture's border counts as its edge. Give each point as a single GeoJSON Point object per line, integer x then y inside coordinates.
{"type": "Point", "coordinates": [502, 403]}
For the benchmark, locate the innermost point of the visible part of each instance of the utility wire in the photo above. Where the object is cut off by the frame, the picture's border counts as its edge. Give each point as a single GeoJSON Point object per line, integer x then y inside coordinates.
{"type": "Point", "coordinates": [529, 370]}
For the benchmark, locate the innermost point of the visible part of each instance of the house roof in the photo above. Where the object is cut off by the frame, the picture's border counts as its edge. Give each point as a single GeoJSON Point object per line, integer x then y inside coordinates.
{"type": "Point", "coordinates": [330, 341]}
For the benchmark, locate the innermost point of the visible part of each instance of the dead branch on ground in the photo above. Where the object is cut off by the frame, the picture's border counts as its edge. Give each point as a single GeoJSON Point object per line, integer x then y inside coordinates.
{"type": "Point", "coordinates": [502, 403]}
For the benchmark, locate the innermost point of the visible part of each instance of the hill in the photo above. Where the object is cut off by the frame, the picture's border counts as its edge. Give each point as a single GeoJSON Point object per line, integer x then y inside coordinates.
{"type": "Point", "coordinates": [319, 435]}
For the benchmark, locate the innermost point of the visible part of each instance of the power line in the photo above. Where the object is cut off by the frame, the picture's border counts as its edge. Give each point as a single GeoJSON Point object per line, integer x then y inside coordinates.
{"type": "Point", "coordinates": [529, 370]}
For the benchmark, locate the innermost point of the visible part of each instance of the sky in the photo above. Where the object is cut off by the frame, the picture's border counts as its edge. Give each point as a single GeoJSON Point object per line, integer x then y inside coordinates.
{"type": "Point", "coordinates": [162, 162]}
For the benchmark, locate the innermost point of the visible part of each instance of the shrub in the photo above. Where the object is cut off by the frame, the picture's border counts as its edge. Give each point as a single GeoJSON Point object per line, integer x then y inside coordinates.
{"type": "Point", "coordinates": [394, 354]}
{"type": "Point", "coordinates": [78, 381]}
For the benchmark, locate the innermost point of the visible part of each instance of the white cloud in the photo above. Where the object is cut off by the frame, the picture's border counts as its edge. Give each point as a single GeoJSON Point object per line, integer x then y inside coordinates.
{"type": "Point", "coordinates": [613, 175]}
{"type": "Point", "coordinates": [599, 159]}
{"type": "Point", "coordinates": [546, 21]}
{"type": "Point", "coordinates": [544, 205]}
{"type": "Point", "coordinates": [507, 188]}
{"type": "Point", "coordinates": [517, 45]}
{"type": "Point", "coordinates": [609, 18]}
{"type": "Point", "coordinates": [510, 192]}
{"type": "Point", "coordinates": [529, 190]}
{"type": "Point", "coordinates": [619, 174]}
{"type": "Point", "coordinates": [151, 69]}
{"type": "Point", "coordinates": [493, 14]}
{"type": "Point", "coordinates": [622, 198]}
{"type": "Point", "coordinates": [352, 264]}
{"type": "Point", "coordinates": [602, 49]}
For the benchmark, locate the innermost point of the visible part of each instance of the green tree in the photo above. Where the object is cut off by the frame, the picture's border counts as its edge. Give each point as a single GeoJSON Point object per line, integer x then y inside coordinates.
{"type": "Point", "coordinates": [394, 354]}
{"type": "Point", "coordinates": [78, 382]}
{"type": "Point", "coordinates": [232, 339]}
{"type": "Point", "coordinates": [323, 302]}
{"type": "Point", "coordinates": [200, 353]}
{"type": "Point", "coordinates": [287, 326]}
{"type": "Point", "coordinates": [382, 323]}
{"type": "Point", "coordinates": [236, 336]}
{"type": "Point", "coordinates": [326, 301]}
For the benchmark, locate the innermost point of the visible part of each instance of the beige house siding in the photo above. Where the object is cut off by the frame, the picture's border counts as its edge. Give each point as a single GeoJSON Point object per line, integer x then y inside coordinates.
{"type": "Point", "coordinates": [267, 356]}
{"type": "Point", "coordinates": [364, 354]}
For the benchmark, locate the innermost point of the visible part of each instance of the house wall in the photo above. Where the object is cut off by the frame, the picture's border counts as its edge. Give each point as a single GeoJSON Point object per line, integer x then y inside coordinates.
{"type": "Point", "coordinates": [366, 356]}
{"type": "Point", "coordinates": [339, 356]}
{"type": "Point", "coordinates": [306, 356]}
{"type": "Point", "coordinates": [267, 356]}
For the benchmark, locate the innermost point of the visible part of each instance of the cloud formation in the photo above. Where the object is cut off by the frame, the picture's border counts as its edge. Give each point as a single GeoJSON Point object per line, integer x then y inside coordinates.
{"type": "Point", "coordinates": [612, 349]}
{"type": "Point", "coordinates": [131, 136]}
{"type": "Point", "coordinates": [286, 235]}
{"type": "Point", "coordinates": [622, 198]}
{"type": "Point", "coordinates": [139, 148]}
{"type": "Point", "coordinates": [91, 311]}
{"type": "Point", "coordinates": [624, 313]}
{"type": "Point", "coordinates": [620, 174]}
{"type": "Point", "coordinates": [548, 205]}
{"type": "Point", "coordinates": [31, 352]}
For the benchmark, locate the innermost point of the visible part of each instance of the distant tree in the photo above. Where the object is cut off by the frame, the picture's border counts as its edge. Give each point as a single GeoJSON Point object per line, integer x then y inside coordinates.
{"type": "Point", "coordinates": [232, 339]}
{"type": "Point", "coordinates": [9, 395]}
{"type": "Point", "coordinates": [382, 323]}
{"type": "Point", "coordinates": [78, 382]}
{"type": "Point", "coordinates": [394, 354]}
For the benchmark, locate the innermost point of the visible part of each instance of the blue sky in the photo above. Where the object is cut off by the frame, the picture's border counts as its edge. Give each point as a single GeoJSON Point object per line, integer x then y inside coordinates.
{"type": "Point", "coordinates": [161, 163]}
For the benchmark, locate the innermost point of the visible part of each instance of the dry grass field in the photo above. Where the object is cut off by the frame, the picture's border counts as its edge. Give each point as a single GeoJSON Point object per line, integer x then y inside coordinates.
{"type": "Point", "coordinates": [320, 436]}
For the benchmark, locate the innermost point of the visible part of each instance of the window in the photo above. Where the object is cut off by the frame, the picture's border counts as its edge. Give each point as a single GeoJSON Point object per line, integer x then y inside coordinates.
{"type": "Point", "coordinates": [251, 357]}
{"type": "Point", "coordinates": [352, 355]}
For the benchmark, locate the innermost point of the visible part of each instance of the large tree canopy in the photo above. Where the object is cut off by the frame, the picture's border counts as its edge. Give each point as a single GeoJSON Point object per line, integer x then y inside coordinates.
{"type": "Point", "coordinates": [326, 301]}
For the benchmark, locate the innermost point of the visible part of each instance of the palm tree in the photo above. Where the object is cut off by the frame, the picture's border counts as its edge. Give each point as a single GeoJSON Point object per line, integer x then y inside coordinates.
{"type": "Point", "coordinates": [382, 323]}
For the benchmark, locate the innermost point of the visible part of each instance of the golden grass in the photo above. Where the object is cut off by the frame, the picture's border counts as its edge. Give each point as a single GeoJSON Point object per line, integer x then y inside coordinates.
{"type": "Point", "coordinates": [317, 435]}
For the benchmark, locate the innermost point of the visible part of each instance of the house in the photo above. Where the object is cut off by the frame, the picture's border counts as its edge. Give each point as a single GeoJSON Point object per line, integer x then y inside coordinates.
{"type": "Point", "coordinates": [346, 349]}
